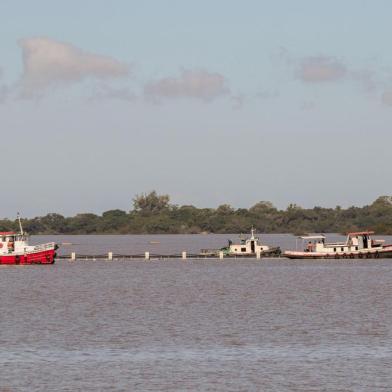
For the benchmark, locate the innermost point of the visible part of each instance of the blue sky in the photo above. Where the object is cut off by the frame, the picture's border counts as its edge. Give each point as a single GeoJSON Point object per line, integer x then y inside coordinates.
{"type": "Point", "coordinates": [210, 102]}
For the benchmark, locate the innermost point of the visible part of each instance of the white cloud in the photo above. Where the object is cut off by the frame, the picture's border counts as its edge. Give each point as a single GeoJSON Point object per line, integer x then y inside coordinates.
{"type": "Point", "coordinates": [321, 69]}
{"type": "Point", "coordinates": [199, 84]}
{"type": "Point", "coordinates": [48, 62]}
{"type": "Point", "coordinates": [387, 97]}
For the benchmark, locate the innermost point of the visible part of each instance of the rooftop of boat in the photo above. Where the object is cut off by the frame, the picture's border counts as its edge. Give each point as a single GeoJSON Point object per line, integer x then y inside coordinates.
{"type": "Point", "coordinates": [313, 237]}
{"type": "Point", "coordinates": [360, 233]}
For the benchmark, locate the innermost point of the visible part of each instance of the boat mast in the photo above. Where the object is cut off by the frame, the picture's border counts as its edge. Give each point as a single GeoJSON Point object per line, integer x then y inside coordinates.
{"type": "Point", "coordinates": [252, 231]}
{"type": "Point", "coordinates": [20, 224]}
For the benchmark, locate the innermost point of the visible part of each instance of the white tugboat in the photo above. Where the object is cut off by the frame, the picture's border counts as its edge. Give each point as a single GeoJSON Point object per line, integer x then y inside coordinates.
{"type": "Point", "coordinates": [246, 247]}
{"type": "Point", "coordinates": [357, 245]}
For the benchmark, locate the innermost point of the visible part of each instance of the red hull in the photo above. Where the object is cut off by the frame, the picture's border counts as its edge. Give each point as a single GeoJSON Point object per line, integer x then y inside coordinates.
{"type": "Point", "coordinates": [41, 257]}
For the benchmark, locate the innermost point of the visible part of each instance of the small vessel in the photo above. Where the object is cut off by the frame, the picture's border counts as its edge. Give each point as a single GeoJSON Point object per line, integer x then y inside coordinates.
{"type": "Point", "coordinates": [357, 245]}
{"type": "Point", "coordinates": [15, 249]}
{"type": "Point", "coordinates": [246, 247]}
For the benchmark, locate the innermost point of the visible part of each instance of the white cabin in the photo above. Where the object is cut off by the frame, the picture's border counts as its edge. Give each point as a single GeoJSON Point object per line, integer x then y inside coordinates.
{"type": "Point", "coordinates": [11, 242]}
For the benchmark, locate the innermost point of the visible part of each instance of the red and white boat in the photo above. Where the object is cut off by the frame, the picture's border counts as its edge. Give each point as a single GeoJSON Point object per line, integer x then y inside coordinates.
{"type": "Point", "coordinates": [15, 249]}
{"type": "Point", "coordinates": [357, 246]}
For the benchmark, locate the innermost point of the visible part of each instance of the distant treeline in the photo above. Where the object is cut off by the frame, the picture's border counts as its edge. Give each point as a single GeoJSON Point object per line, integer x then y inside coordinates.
{"type": "Point", "coordinates": [153, 214]}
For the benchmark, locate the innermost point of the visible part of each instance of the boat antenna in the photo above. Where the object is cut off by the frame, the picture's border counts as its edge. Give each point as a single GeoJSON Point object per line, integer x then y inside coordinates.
{"type": "Point", "coordinates": [20, 224]}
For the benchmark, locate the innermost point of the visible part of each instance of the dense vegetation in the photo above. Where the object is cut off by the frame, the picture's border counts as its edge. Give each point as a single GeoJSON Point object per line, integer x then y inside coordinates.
{"type": "Point", "coordinates": [153, 213]}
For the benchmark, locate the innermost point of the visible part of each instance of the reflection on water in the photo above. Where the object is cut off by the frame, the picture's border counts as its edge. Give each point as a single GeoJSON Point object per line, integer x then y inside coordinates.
{"type": "Point", "coordinates": [272, 325]}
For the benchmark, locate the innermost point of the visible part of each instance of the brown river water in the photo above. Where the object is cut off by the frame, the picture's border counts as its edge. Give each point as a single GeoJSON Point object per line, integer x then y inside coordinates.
{"type": "Point", "coordinates": [195, 325]}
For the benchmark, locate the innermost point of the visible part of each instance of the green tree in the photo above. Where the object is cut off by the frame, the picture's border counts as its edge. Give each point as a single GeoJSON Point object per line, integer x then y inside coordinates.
{"type": "Point", "coordinates": [150, 203]}
{"type": "Point", "coordinates": [225, 209]}
{"type": "Point", "coordinates": [262, 207]}
{"type": "Point", "coordinates": [53, 223]}
{"type": "Point", "coordinates": [84, 224]}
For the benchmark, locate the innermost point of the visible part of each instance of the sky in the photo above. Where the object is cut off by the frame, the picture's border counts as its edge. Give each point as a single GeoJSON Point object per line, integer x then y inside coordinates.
{"type": "Point", "coordinates": [211, 102]}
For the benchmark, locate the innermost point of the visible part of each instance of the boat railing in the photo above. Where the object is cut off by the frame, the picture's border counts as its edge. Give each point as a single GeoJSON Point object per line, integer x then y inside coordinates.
{"type": "Point", "coordinates": [47, 246]}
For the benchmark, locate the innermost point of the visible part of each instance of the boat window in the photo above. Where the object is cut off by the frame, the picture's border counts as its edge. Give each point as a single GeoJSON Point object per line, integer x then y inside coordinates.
{"type": "Point", "coordinates": [334, 249]}
{"type": "Point", "coordinates": [342, 249]}
{"type": "Point", "coordinates": [243, 249]}
{"type": "Point", "coordinates": [356, 248]}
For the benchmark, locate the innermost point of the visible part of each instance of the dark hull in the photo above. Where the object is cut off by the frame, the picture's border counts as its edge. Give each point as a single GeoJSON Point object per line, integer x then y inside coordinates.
{"type": "Point", "coordinates": [273, 252]}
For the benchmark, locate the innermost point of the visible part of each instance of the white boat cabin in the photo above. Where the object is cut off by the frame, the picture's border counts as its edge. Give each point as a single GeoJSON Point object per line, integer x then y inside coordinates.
{"type": "Point", "coordinates": [247, 246]}
{"type": "Point", "coordinates": [11, 242]}
{"type": "Point", "coordinates": [355, 242]}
